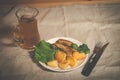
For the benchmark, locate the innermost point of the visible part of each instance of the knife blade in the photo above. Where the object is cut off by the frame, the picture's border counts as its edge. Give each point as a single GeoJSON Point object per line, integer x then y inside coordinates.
{"type": "Point", "coordinates": [92, 61]}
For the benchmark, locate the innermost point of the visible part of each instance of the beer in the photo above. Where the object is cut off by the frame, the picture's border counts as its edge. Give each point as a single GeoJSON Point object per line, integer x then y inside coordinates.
{"type": "Point", "coordinates": [29, 33]}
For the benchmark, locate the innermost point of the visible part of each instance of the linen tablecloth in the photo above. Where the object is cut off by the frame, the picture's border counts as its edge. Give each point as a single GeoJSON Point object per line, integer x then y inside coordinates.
{"type": "Point", "coordinates": [86, 23]}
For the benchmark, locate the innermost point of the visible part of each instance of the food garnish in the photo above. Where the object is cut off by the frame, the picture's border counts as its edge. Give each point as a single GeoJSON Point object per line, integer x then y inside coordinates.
{"type": "Point", "coordinates": [84, 48]}
{"type": "Point", "coordinates": [44, 52]}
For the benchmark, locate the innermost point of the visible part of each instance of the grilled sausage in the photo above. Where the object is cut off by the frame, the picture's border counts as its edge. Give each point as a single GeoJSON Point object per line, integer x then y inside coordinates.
{"type": "Point", "coordinates": [65, 42]}
{"type": "Point", "coordinates": [65, 48]}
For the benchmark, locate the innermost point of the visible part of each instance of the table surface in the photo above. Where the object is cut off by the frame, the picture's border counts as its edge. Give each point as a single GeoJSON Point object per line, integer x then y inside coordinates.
{"type": "Point", "coordinates": [86, 23]}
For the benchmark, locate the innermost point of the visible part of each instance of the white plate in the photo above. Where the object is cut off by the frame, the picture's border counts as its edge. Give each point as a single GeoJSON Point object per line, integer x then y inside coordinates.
{"type": "Point", "coordinates": [80, 63]}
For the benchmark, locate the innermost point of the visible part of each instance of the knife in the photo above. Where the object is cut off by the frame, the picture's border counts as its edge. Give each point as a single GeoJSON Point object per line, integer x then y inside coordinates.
{"type": "Point", "coordinates": [92, 61]}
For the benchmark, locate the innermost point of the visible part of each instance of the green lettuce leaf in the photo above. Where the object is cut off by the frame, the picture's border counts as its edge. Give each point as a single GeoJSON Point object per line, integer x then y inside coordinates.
{"type": "Point", "coordinates": [43, 52]}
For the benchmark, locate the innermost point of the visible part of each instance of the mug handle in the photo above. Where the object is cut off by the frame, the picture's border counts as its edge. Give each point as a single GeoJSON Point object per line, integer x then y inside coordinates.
{"type": "Point", "coordinates": [17, 35]}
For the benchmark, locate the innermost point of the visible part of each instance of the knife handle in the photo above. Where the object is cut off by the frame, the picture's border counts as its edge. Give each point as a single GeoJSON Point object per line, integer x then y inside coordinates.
{"type": "Point", "coordinates": [90, 65]}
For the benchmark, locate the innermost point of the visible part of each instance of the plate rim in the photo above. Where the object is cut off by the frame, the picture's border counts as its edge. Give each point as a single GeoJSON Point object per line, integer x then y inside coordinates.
{"type": "Point", "coordinates": [66, 70]}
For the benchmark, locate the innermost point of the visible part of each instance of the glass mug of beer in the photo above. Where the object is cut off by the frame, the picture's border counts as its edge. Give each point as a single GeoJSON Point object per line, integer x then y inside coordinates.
{"type": "Point", "coordinates": [26, 32]}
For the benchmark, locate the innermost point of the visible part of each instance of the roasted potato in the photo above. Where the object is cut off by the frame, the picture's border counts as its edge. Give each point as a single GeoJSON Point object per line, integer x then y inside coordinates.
{"type": "Point", "coordinates": [52, 63]}
{"type": "Point", "coordinates": [79, 56]}
{"type": "Point", "coordinates": [64, 64]}
{"type": "Point", "coordinates": [60, 56]}
{"type": "Point", "coordinates": [72, 61]}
